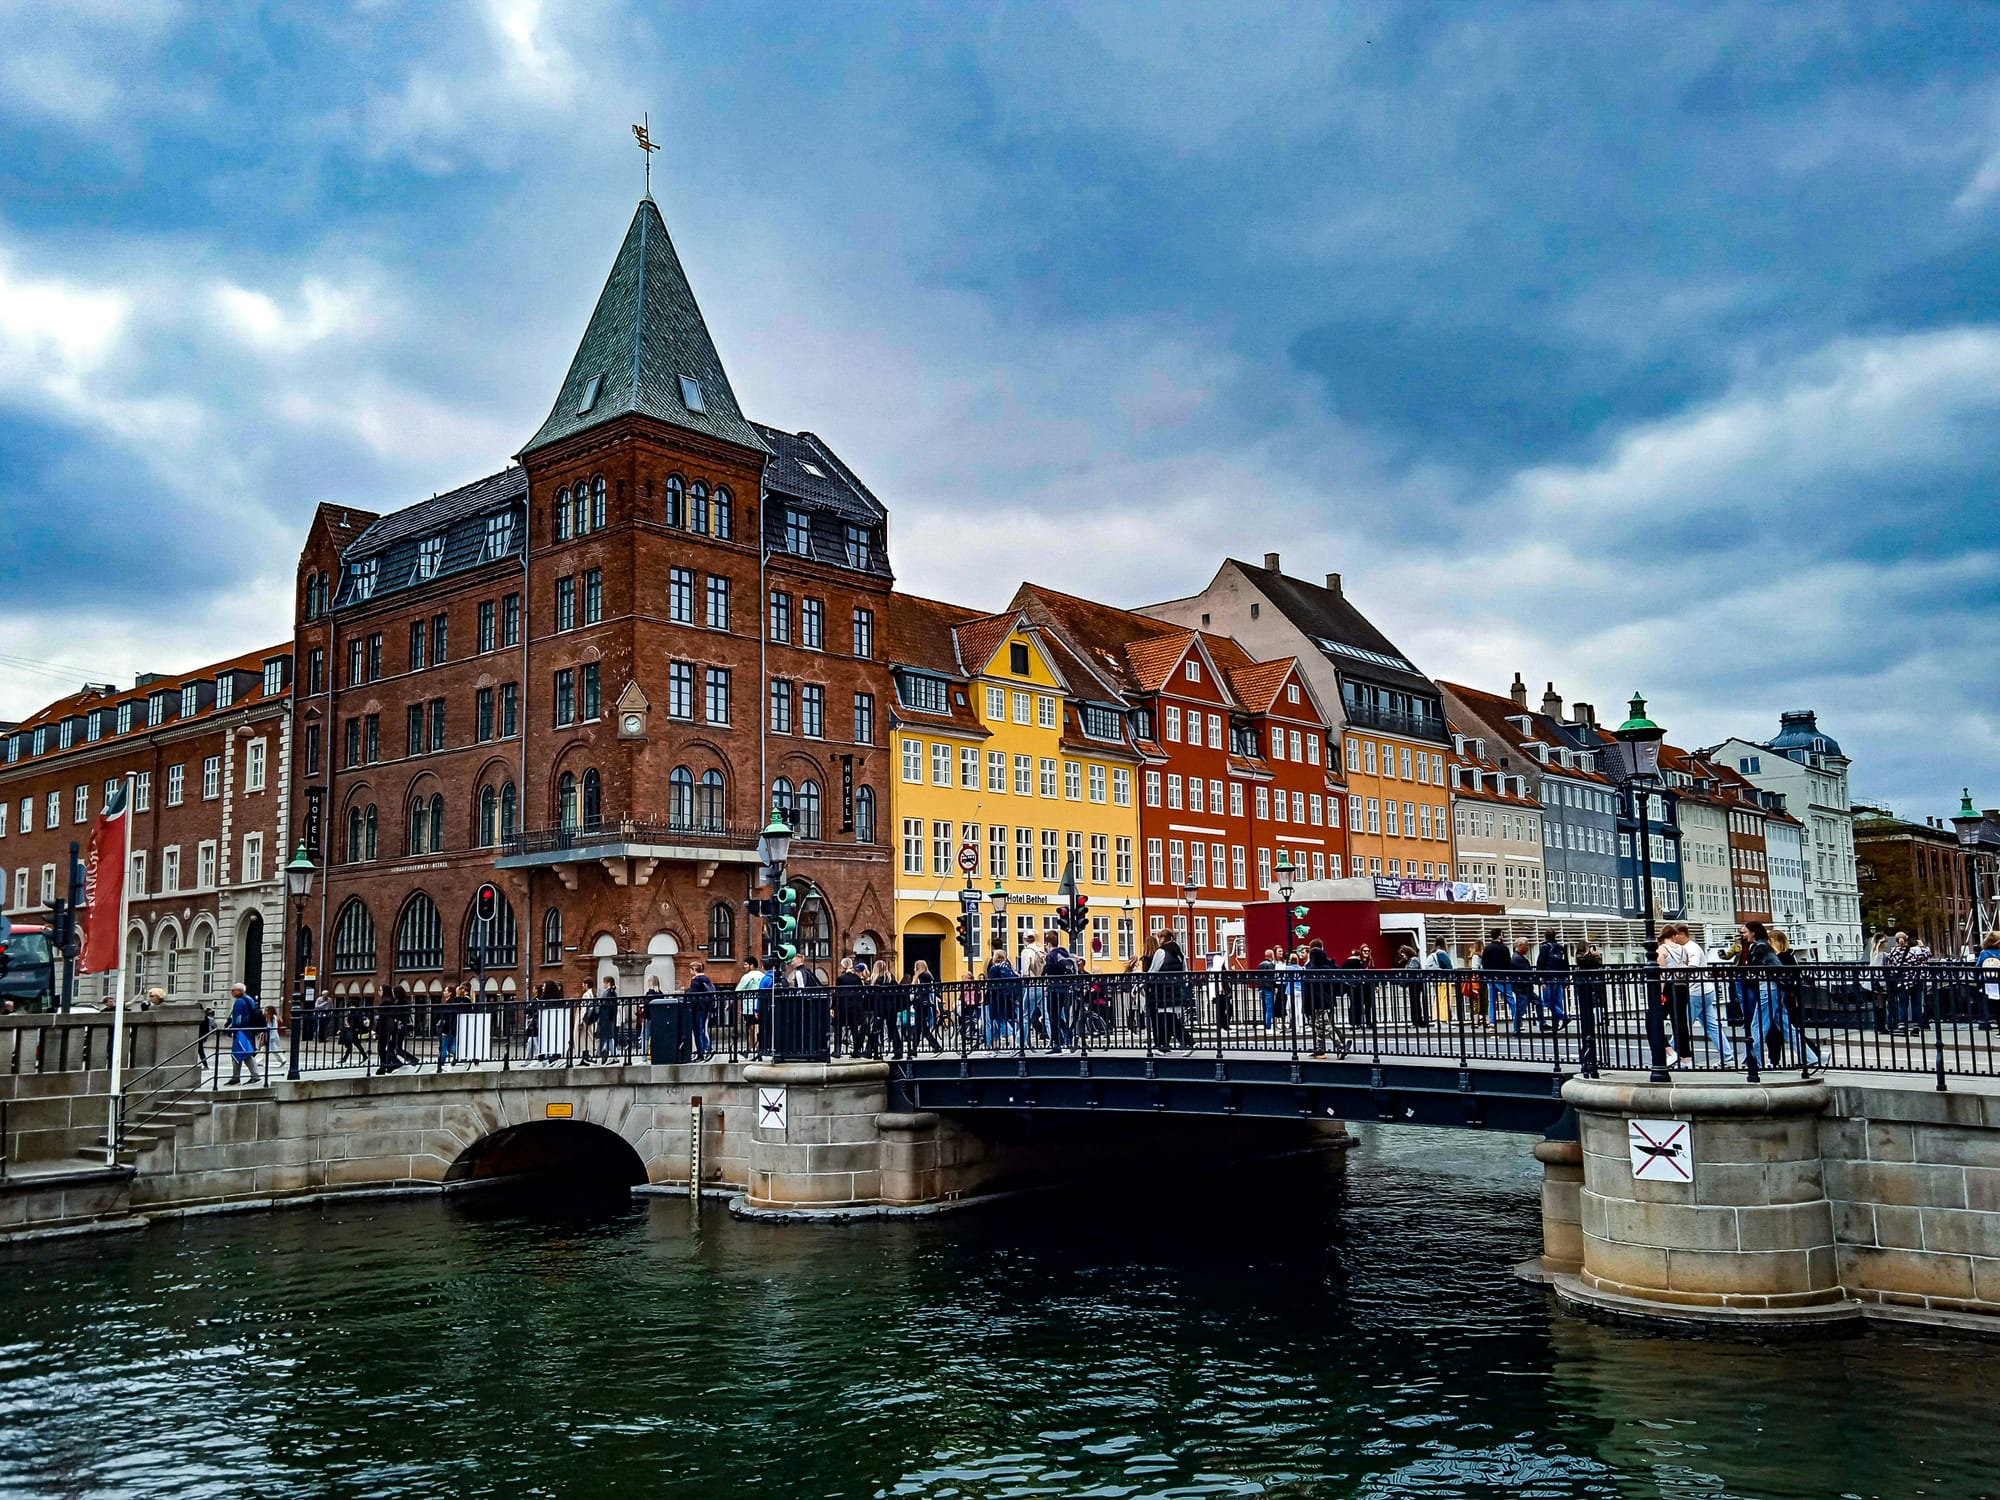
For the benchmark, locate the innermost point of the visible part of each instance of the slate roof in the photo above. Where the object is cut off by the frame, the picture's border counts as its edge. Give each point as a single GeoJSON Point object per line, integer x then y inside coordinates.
{"type": "Point", "coordinates": [459, 516]}
{"type": "Point", "coordinates": [1329, 617]}
{"type": "Point", "coordinates": [920, 633]}
{"type": "Point", "coordinates": [833, 487]}
{"type": "Point", "coordinates": [1468, 761]}
{"type": "Point", "coordinates": [1494, 712]}
{"type": "Point", "coordinates": [644, 335]}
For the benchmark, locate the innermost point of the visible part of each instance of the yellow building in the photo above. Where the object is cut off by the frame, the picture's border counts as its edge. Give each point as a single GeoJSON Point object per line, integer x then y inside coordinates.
{"type": "Point", "coordinates": [1003, 741]}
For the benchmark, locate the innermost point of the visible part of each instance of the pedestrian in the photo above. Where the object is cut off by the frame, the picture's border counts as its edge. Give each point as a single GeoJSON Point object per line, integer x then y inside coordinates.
{"type": "Point", "coordinates": [1360, 994]}
{"type": "Point", "coordinates": [1496, 964]}
{"type": "Point", "coordinates": [1707, 1003]}
{"type": "Point", "coordinates": [204, 1029]}
{"type": "Point", "coordinates": [1552, 962]}
{"type": "Point", "coordinates": [1901, 963]}
{"type": "Point", "coordinates": [1419, 1004]}
{"type": "Point", "coordinates": [701, 1006]}
{"type": "Point", "coordinates": [1789, 1010]}
{"type": "Point", "coordinates": [1034, 956]}
{"type": "Point", "coordinates": [924, 983]}
{"type": "Point", "coordinates": [749, 998]}
{"type": "Point", "coordinates": [1525, 991]}
{"type": "Point", "coordinates": [605, 1014]}
{"type": "Point", "coordinates": [1058, 987]}
{"type": "Point", "coordinates": [1988, 959]}
{"type": "Point", "coordinates": [246, 1021]}
{"type": "Point", "coordinates": [448, 1015]}
{"type": "Point", "coordinates": [1754, 955]}
{"type": "Point", "coordinates": [388, 1033]}
{"type": "Point", "coordinates": [350, 1035]}
{"type": "Point", "coordinates": [1441, 989]}
{"type": "Point", "coordinates": [1678, 954]}
{"type": "Point", "coordinates": [1003, 996]}
{"type": "Point", "coordinates": [1267, 986]}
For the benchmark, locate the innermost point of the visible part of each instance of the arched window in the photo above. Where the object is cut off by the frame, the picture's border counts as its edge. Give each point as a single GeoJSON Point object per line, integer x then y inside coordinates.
{"type": "Point", "coordinates": [709, 801]}
{"type": "Point", "coordinates": [354, 939]}
{"type": "Point", "coordinates": [353, 835]}
{"type": "Point", "coordinates": [593, 799]}
{"type": "Point", "coordinates": [368, 832]}
{"type": "Point", "coordinates": [597, 503]}
{"type": "Point", "coordinates": [566, 800]}
{"type": "Point", "coordinates": [781, 802]}
{"type": "Point", "coordinates": [437, 822]}
{"type": "Point", "coordinates": [552, 936]}
{"type": "Point", "coordinates": [498, 945]}
{"type": "Point", "coordinates": [509, 811]}
{"type": "Point", "coordinates": [562, 515]}
{"type": "Point", "coordinates": [698, 508]}
{"type": "Point", "coordinates": [420, 827]}
{"type": "Point", "coordinates": [579, 510]}
{"type": "Point", "coordinates": [864, 815]}
{"type": "Point", "coordinates": [419, 934]}
{"type": "Point", "coordinates": [676, 495]}
{"type": "Point", "coordinates": [205, 961]}
{"type": "Point", "coordinates": [725, 520]}
{"type": "Point", "coordinates": [806, 824]}
{"type": "Point", "coordinates": [680, 797]}
{"type": "Point", "coordinates": [721, 931]}
{"type": "Point", "coordinates": [489, 817]}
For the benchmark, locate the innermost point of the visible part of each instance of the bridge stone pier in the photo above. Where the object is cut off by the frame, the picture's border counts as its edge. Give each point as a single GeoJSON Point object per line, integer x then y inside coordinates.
{"type": "Point", "coordinates": [1781, 1204]}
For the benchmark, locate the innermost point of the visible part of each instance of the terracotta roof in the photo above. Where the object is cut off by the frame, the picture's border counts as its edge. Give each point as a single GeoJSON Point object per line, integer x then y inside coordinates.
{"type": "Point", "coordinates": [921, 633]}
{"type": "Point", "coordinates": [91, 698]}
{"type": "Point", "coordinates": [1153, 659]}
{"type": "Point", "coordinates": [1099, 633]}
{"type": "Point", "coordinates": [979, 639]}
{"type": "Point", "coordinates": [1259, 683]}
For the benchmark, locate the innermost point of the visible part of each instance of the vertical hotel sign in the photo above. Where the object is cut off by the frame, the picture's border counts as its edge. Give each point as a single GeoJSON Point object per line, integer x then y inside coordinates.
{"type": "Point", "coordinates": [847, 794]}
{"type": "Point", "coordinates": [315, 807]}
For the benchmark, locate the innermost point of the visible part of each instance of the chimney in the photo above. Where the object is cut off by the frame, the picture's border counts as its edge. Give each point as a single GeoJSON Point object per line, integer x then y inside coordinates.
{"type": "Point", "coordinates": [1518, 692]}
{"type": "Point", "coordinates": [1586, 715]}
{"type": "Point", "coordinates": [1552, 704]}
{"type": "Point", "coordinates": [1333, 585]}
{"type": "Point", "coordinates": [1271, 563]}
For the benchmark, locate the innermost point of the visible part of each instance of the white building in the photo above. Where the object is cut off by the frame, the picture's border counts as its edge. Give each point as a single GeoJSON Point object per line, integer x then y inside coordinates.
{"type": "Point", "coordinates": [1785, 865]}
{"type": "Point", "coordinates": [1809, 771]}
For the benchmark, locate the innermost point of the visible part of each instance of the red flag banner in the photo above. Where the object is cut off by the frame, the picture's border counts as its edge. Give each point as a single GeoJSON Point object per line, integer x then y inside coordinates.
{"type": "Point", "coordinates": [104, 865]}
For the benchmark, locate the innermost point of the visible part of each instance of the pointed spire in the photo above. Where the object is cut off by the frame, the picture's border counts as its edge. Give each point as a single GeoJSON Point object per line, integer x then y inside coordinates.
{"type": "Point", "coordinates": [646, 350]}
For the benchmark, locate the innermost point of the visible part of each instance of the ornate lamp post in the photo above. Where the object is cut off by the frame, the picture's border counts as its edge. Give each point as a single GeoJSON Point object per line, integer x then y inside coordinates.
{"type": "Point", "coordinates": [1635, 760]}
{"type": "Point", "coordinates": [1979, 838]}
{"type": "Point", "coordinates": [998, 896]}
{"type": "Point", "coordinates": [1188, 892]}
{"type": "Point", "coordinates": [298, 885]}
{"type": "Point", "coordinates": [1285, 871]}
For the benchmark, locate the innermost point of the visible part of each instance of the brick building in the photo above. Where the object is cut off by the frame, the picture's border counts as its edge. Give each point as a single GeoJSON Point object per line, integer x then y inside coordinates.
{"type": "Point", "coordinates": [590, 677]}
{"type": "Point", "coordinates": [208, 751]}
{"type": "Point", "coordinates": [1914, 878]}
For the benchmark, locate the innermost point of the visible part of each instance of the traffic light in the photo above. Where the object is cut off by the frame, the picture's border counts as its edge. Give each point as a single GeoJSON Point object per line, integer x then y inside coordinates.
{"type": "Point", "coordinates": [785, 921]}
{"type": "Point", "coordinates": [965, 938]}
{"type": "Point", "coordinates": [1299, 928]}
{"type": "Point", "coordinates": [1079, 915]}
{"type": "Point", "coordinates": [486, 902]}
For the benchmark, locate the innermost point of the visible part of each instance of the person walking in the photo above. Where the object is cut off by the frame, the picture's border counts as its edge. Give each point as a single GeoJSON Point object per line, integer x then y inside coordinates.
{"type": "Point", "coordinates": [1413, 987]}
{"type": "Point", "coordinates": [1525, 992]}
{"type": "Point", "coordinates": [924, 993]}
{"type": "Point", "coordinates": [1988, 960]}
{"type": "Point", "coordinates": [1030, 965]}
{"type": "Point", "coordinates": [1707, 1004]}
{"type": "Point", "coordinates": [246, 1023]}
{"type": "Point", "coordinates": [1552, 961]}
{"type": "Point", "coordinates": [1678, 955]}
{"type": "Point", "coordinates": [1360, 993]}
{"type": "Point", "coordinates": [749, 999]}
{"type": "Point", "coordinates": [1003, 999]}
{"type": "Point", "coordinates": [1059, 971]}
{"type": "Point", "coordinates": [850, 1010]}
{"type": "Point", "coordinates": [1441, 988]}
{"type": "Point", "coordinates": [1901, 963]}
{"type": "Point", "coordinates": [1789, 1009]}
{"type": "Point", "coordinates": [1754, 956]}
{"type": "Point", "coordinates": [1267, 986]}
{"type": "Point", "coordinates": [701, 1006]}
{"type": "Point", "coordinates": [1496, 964]}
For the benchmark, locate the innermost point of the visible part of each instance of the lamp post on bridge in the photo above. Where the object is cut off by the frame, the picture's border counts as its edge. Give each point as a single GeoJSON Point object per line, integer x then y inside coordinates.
{"type": "Point", "coordinates": [1635, 755]}
{"type": "Point", "coordinates": [298, 885]}
{"type": "Point", "coordinates": [1285, 870]}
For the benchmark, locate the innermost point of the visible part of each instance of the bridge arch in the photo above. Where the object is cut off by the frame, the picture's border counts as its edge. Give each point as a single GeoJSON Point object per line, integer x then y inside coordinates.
{"type": "Point", "coordinates": [570, 1150]}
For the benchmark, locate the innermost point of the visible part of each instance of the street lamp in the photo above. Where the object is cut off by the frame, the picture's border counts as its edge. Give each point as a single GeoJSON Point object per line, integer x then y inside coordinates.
{"type": "Point", "coordinates": [1188, 892]}
{"type": "Point", "coordinates": [298, 885]}
{"type": "Point", "coordinates": [998, 896]}
{"type": "Point", "coordinates": [1980, 841]}
{"type": "Point", "coordinates": [1635, 759]}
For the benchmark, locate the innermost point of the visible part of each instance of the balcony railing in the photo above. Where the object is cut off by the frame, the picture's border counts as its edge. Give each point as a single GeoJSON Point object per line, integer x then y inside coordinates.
{"type": "Point", "coordinates": [584, 837]}
{"type": "Point", "coordinates": [1396, 721]}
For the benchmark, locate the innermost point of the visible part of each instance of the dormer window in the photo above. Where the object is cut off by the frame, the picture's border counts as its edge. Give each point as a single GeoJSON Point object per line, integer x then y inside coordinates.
{"type": "Point", "coordinates": [225, 690]}
{"type": "Point", "coordinates": [430, 554]}
{"type": "Point", "coordinates": [856, 540]}
{"type": "Point", "coordinates": [190, 700]}
{"type": "Point", "coordinates": [499, 535]}
{"type": "Point", "coordinates": [66, 734]}
{"type": "Point", "coordinates": [362, 575]}
{"type": "Point", "coordinates": [590, 390]}
{"type": "Point", "coordinates": [798, 532]}
{"type": "Point", "coordinates": [691, 396]}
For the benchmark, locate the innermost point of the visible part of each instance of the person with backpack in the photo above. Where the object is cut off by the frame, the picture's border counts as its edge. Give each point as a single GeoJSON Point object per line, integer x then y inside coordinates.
{"type": "Point", "coordinates": [701, 1005]}
{"type": "Point", "coordinates": [749, 999]}
{"type": "Point", "coordinates": [1003, 998]}
{"type": "Point", "coordinates": [1267, 986]}
{"type": "Point", "coordinates": [1496, 963]}
{"type": "Point", "coordinates": [1552, 959]}
{"type": "Point", "coordinates": [1059, 969]}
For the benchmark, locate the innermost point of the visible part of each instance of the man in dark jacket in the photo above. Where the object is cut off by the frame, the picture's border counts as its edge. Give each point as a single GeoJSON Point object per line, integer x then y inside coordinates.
{"type": "Point", "coordinates": [1524, 989]}
{"type": "Point", "coordinates": [1552, 962]}
{"type": "Point", "coordinates": [850, 1006]}
{"type": "Point", "coordinates": [1495, 962]}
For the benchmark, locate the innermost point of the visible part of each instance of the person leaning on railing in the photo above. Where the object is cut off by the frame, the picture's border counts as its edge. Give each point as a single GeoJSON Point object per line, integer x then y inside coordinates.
{"type": "Point", "coordinates": [1901, 962]}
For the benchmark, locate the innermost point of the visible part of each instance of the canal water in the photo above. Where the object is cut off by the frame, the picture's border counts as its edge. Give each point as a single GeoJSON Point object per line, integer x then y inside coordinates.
{"type": "Point", "coordinates": [1301, 1329]}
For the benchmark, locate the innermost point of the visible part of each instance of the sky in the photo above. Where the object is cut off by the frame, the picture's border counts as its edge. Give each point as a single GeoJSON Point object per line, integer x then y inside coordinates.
{"type": "Point", "coordinates": [1626, 347]}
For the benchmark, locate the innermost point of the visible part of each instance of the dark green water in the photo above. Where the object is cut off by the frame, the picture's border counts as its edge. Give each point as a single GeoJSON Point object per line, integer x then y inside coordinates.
{"type": "Point", "coordinates": [1291, 1331]}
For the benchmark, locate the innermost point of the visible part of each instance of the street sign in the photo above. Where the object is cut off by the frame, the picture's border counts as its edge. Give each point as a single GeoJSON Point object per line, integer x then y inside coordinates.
{"type": "Point", "coordinates": [968, 858]}
{"type": "Point", "coordinates": [1659, 1150]}
{"type": "Point", "coordinates": [970, 898]}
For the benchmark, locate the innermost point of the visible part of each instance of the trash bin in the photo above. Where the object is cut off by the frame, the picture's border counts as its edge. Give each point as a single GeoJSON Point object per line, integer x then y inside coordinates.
{"type": "Point", "coordinates": [670, 1026]}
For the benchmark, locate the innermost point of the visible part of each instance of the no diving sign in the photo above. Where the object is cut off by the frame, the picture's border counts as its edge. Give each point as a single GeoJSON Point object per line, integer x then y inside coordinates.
{"type": "Point", "coordinates": [1659, 1150]}
{"type": "Point", "coordinates": [770, 1109]}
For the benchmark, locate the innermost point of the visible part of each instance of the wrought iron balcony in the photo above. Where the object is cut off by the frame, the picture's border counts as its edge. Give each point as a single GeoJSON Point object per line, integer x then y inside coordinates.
{"type": "Point", "coordinates": [1396, 721]}
{"type": "Point", "coordinates": [588, 840]}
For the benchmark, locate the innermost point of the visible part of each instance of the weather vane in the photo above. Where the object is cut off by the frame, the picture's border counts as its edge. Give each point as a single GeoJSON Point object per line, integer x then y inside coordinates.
{"type": "Point", "coordinates": [642, 134]}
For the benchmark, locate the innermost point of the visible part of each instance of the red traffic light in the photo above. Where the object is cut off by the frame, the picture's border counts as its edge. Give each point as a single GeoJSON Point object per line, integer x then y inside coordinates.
{"type": "Point", "coordinates": [486, 902]}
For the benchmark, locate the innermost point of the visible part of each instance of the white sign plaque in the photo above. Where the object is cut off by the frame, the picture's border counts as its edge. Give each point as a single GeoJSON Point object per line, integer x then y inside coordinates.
{"type": "Point", "coordinates": [770, 1109]}
{"type": "Point", "coordinates": [1660, 1150]}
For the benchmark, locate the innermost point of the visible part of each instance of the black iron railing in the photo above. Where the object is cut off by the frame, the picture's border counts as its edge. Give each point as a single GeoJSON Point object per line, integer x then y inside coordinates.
{"type": "Point", "coordinates": [1936, 1020]}
{"type": "Point", "coordinates": [692, 829]}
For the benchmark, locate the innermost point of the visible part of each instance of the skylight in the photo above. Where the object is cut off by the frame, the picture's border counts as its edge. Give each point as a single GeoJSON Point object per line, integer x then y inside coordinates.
{"type": "Point", "coordinates": [590, 394]}
{"type": "Point", "coordinates": [1357, 653]}
{"type": "Point", "coordinates": [813, 469]}
{"type": "Point", "coordinates": [691, 394]}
